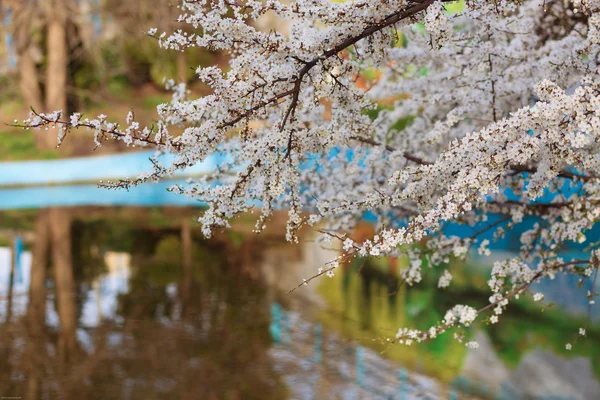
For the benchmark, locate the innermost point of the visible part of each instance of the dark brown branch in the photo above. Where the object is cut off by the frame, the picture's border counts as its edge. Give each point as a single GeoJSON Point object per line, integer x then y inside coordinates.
{"type": "Point", "coordinates": [308, 65]}
{"type": "Point", "coordinates": [490, 226]}
{"type": "Point", "coordinates": [527, 284]}
{"type": "Point", "coordinates": [406, 155]}
{"type": "Point", "coordinates": [562, 174]}
{"type": "Point", "coordinates": [136, 135]}
{"type": "Point", "coordinates": [516, 168]}
{"type": "Point", "coordinates": [248, 113]}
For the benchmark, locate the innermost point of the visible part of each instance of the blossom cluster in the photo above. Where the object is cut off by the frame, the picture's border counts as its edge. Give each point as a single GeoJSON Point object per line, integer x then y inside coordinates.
{"type": "Point", "coordinates": [399, 108]}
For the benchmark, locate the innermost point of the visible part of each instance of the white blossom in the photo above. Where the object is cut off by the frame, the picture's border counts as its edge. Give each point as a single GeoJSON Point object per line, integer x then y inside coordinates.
{"type": "Point", "coordinates": [472, 345]}
{"type": "Point", "coordinates": [445, 279]}
{"type": "Point", "coordinates": [492, 129]}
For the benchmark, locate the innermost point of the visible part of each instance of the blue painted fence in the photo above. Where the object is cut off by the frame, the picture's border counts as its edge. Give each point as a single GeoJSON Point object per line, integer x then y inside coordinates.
{"type": "Point", "coordinates": [146, 195]}
{"type": "Point", "coordinates": [52, 183]}
{"type": "Point", "coordinates": [86, 169]}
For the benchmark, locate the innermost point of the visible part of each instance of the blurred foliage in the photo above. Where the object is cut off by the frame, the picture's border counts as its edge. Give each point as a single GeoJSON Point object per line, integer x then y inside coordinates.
{"type": "Point", "coordinates": [455, 7]}
{"type": "Point", "coordinates": [151, 102]}
{"type": "Point", "coordinates": [370, 303]}
{"type": "Point", "coordinates": [115, 71]}
{"type": "Point", "coordinates": [398, 126]}
{"type": "Point", "coordinates": [109, 73]}
{"type": "Point", "coordinates": [20, 145]}
{"type": "Point", "coordinates": [18, 220]}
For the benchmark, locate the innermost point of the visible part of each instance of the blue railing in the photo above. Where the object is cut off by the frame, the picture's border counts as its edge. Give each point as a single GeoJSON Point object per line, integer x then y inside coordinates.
{"type": "Point", "coordinates": [93, 169]}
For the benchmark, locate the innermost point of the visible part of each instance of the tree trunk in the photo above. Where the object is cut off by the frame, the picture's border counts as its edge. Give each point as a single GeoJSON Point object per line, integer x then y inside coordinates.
{"type": "Point", "coordinates": [30, 90]}
{"type": "Point", "coordinates": [56, 69]}
{"type": "Point", "coordinates": [62, 260]}
{"type": "Point", "coordinates": [182, 67]}
{"type": "Point", "coordinates": [29, 83]}
{"type": "Point", "coordinates": [56, 73]}
{"type": "Point", "coordinates": [22, 20]}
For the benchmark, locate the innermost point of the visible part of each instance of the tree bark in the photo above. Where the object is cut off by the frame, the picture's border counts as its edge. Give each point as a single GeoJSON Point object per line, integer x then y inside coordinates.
{"type": "Point", "coordinates": [182, 67]}
{"type": "Point", "coordinates": [29, 83]}
{"type": "Point", "coordinates": [23, 13]}
{"type": "Point", "coordinates": [57, 64]}
{"type": "Point", "coordinates": [56, 74]}
{"type": "Point", "coordinates": [23, 16]}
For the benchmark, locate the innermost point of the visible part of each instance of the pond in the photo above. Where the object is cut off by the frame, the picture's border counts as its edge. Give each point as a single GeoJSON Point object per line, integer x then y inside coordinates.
{"type": "Point", "coordinates": [142, 307]}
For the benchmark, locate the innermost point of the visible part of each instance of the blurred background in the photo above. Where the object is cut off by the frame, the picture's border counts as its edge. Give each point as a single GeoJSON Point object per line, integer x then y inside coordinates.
{"type": "Point", "coordinates": [116, 294]}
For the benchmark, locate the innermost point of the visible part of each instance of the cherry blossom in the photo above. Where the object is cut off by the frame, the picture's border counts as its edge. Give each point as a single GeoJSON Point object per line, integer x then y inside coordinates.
{"type": "Point", "coordinates": [490, 111]}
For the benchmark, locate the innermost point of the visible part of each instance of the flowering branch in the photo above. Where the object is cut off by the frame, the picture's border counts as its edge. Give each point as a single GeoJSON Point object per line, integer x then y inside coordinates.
{"type": "Point", "coordinates": [356, 108]}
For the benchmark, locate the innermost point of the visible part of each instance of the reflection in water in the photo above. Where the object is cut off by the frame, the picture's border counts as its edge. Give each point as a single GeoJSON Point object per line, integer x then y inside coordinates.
{"type": "Point", "coordinates": [182, 321]}
{"type": "Point", "coordinates": [138, 306]}
{"type": "Point", "coordinates": [521, 357]}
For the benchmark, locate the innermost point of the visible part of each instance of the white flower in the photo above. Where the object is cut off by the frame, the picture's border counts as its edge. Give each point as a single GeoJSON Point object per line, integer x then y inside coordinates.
{"type": "Point", "coordinates": [74, 119]}
{"type": "Point", "coordinates": [432, 332]}
{"type": "Point", "coordinates": [461, 313]}
{"type": "Point", "coordinates": [568, 346]}
{"type": "Point", "coordinates": [302, 128]}
{"type": "Point", "coordinates": [348, 244]}
{"type": "Point", "coordinates": [483, 248]}
{"type": "Point", "coordinates": [445, 279]}
{"type": "Point", "coordinates": [472, 345]}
